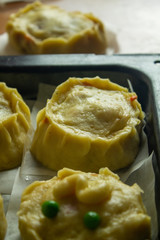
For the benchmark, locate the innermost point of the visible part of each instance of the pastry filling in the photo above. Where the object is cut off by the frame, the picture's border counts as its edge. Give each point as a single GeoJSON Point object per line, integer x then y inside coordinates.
{"type": "Point", "coordinates": [45, 23]}
{"type": "Point", "coordinates": [97, 112]}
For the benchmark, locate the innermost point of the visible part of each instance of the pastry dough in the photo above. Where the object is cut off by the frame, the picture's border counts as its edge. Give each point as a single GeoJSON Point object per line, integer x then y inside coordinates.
{"type": "Point", "coordinates": [119, 206]}
{"type": "Point", "coordinates": [40, 28]}
{"type": "Point", "coordinates": [88, 124]}
{"type": "Point", "coordinates": [3, 222]}
{"type": "Point", "coordinates": [14, 125]}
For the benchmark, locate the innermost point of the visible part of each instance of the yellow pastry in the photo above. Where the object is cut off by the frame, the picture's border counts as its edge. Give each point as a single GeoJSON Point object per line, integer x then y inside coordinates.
{"type": "Point", "coordinates": [40, 28]}
{"type": "Point", "coordinates": [88, 124]}
{"type": "Point", "coordinates": [3, 222]}
{"type": "Point", "coordinates": [82, 206]}
{"type": "Point", "coordinates": [14, 125]}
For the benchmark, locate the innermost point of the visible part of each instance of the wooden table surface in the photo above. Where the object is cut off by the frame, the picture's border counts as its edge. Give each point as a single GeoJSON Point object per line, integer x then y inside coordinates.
{"type": "Point", "coordinates": [5, 11]}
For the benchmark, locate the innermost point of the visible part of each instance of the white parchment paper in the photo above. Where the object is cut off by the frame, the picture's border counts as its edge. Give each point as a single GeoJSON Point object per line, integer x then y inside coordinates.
{"type": "Point", "coordinates": [140, 172]}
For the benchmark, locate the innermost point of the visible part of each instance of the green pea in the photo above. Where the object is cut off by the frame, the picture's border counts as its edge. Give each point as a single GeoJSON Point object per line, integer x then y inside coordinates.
{"type": "Point", "coordinates": [50, 208]}
{"type": "Point", "coordinates": [91, 220]}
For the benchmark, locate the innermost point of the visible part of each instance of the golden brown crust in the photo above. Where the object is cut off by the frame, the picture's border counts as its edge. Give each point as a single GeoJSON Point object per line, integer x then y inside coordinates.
{"type": "Point", "coordinates": [88, 124]}
{"type": "Point", "coordinates": [33, 31]}
{"type": "Point", "coordinates": [14, 125]}
{"type": "Point", "coordinates": [3, 222]}
{"type": "Point", "coordinates": [119, 206]}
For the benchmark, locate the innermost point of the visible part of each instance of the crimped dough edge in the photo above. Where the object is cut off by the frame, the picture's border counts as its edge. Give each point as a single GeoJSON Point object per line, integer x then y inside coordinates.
{"type": "Point", "coordinates": [56, 146]}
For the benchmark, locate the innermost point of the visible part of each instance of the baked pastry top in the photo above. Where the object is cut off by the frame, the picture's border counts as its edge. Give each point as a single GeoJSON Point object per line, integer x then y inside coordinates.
{"type": "Point", "coordinates": [14, 125]}
{"type": "Point", "coordinates": [81, 206]}
{"type": "Point", "coordinates": [3, 222]}
{"type": "Point", "coordinates": [89, 123]}
{"type": "Point", "coordinates": [40, 28]}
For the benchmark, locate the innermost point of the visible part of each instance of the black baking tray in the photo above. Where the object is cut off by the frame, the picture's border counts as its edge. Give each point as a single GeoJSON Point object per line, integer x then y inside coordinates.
{"type": "Point", "coordinates": [26, 72]}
